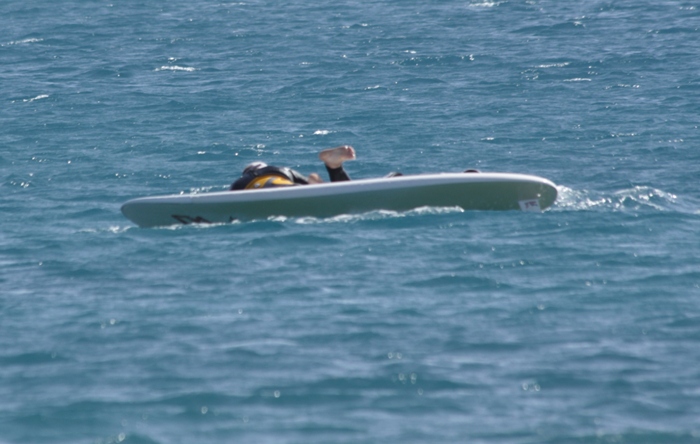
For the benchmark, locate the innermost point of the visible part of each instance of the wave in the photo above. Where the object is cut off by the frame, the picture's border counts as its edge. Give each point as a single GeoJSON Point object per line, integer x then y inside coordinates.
{"type": "Point", "coordinates": [629, 199]}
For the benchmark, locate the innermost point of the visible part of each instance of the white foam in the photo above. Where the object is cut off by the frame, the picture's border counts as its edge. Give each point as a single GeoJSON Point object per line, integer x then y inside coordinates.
{"type": "Point", "coordinates": [23, 42]}
{"type": "Point", "coordinates": [553, 65]}
{"type": "Point", "coordinates": [371, 215]}
{"type": "Point", "coordinates": [176, 68]}
{"type": "Point", "coordinates": [485, 4]}
{"type": "Point", "coordinates": [39, 97]}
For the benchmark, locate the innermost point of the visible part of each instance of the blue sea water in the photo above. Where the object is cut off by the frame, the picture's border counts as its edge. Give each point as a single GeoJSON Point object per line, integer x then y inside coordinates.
{"type": "Point", "coordinates": [577, 325]}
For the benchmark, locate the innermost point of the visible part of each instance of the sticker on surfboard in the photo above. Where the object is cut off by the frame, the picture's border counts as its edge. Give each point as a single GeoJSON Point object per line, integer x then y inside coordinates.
{"type": "Point", "coordinates": [530, 205]}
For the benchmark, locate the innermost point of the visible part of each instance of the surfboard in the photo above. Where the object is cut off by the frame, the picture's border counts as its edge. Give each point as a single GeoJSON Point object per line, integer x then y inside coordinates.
{"type": "Point", "coordinates": [470, 191]}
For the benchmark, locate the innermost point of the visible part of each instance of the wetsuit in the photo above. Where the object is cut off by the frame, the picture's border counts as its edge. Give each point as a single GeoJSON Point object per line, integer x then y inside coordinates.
{"type": "Point", "coordinates": [272, 177]}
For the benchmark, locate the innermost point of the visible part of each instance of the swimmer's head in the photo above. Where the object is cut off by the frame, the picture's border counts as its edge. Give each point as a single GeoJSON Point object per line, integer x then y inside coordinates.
{"type": "Point", "coordinates": [254, 166]}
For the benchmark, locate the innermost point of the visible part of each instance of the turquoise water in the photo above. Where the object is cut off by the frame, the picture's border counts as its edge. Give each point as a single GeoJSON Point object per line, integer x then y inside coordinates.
{"type": "Point", "coordinates": [580, 324]}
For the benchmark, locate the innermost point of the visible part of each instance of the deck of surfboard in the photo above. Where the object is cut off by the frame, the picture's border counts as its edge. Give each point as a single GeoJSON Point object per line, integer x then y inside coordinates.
{"type": "Point", "coordinates": [470, 191]}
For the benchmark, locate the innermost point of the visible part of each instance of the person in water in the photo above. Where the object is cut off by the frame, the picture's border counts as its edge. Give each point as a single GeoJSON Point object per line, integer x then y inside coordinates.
{"type": "Point", "coordinates": [258, 175]}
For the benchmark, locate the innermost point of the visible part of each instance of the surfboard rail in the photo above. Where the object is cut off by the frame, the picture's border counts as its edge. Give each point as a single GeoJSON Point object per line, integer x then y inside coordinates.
{"type": "Point", "coordinates": [470, 191]}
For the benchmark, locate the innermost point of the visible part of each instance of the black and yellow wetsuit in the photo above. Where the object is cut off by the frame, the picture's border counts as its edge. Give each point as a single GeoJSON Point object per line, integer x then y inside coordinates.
{"type": "Point", "coordinates": [272, 177]}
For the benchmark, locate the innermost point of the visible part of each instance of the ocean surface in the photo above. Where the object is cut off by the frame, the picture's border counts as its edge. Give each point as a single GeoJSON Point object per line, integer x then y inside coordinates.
{"type": "Point", "coordinates": [577, 325]}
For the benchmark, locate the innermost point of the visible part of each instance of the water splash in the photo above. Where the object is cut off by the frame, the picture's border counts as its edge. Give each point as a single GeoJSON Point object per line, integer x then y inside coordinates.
{"type": "Point", "coordinates": [629, 199]}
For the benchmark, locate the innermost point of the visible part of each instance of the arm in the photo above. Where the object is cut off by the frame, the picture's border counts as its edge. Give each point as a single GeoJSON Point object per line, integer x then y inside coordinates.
{"type": "Point", "coordinates": [297, 177]}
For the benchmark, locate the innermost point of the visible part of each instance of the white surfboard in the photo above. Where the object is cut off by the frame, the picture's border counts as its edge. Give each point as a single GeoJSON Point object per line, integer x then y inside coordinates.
{"type": "Point", "coordinates": [470, 191]}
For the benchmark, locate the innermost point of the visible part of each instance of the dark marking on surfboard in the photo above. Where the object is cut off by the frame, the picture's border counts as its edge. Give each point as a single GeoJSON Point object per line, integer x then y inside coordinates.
{"type": "Point", "coordinates": [186, 220]}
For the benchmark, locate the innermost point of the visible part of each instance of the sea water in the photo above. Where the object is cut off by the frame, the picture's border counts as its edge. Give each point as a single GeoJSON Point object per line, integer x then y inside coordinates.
{"type": "Point", "coordinates": [580, 324]}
